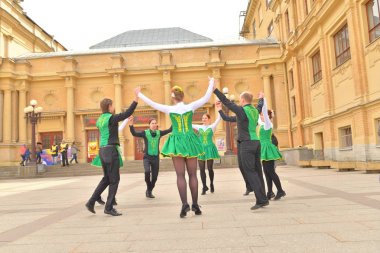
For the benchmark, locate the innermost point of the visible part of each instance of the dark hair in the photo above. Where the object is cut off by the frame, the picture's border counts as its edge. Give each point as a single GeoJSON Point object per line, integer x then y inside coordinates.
{"type": "Point", "coordinates": [151, 119]}
{"type": "Point", "coordinates": [177, 93]}
{"type": "Point", "coordinates": [247, 96]}
{"type": "Point", "coordinates": [270, 114]}
{"type": "Point", "coordinates": [105, 104]}
{"type": "Point", "coordinates": [207, 115]}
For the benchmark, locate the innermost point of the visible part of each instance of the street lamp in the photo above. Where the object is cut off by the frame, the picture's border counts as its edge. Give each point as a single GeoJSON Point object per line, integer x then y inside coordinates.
{"type": "Point", "coordinates": [33, 113]}
{"type": "Point", "coordinates": [228, 124]}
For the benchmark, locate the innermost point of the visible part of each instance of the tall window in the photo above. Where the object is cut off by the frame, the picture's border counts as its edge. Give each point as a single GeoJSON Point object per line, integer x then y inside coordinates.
{"type": "Point", "coordinates": [291, 79]}
{"type": "Point", "coordinates": [270, 28]}
{"type": "Point", "coordinates": [342, 46]}
{"type": "Point", "coordinates": [317, 69]}
{"type": "Point", "coordinates": [293, 106]}
{"type": "Point", "coordinates": [254, 29]}
{"type": "Point", "coordinates": [260, 11]}
{"type": "Point", "coordinates": [345, 137]}
{"type": "Point", "coordinates": [287, 23]}
{"type": "Point", "coordinates": [373, 14]}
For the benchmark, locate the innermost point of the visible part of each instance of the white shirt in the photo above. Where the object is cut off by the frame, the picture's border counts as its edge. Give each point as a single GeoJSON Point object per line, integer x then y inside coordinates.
{"type": "Point", "coordinates": [180, 108]}
{"type": "Point", "coordinates": [267, 122]}
{"type": "Point", "coordinates": [212, 126]}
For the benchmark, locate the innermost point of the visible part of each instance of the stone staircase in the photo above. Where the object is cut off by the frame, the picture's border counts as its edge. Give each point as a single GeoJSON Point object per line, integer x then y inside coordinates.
{"type": "Point", "coordinates": [85, 169]}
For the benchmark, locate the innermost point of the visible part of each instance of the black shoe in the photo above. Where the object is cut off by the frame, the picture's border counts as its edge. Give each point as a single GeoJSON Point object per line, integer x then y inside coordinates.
{"type": "Point", "coordinates": [212, 188]}
{"type": "Point", "coordinates": [204, 190]}
{"type": "Point", "coordinates": [90, 207]}
{"type": "Point", "coordinates": [247, 193]}
{"type": "Point", "coordinates": [196, 208]}
{"type": "Point", "coordinates": [150, 195]}
{"type": "Point", "coordinates": [270, 195]}
{"type": "Point", "coordinates": [184, 210]}
{"type": "Point", "coordinates": [257, 206]}
{"type": "Point", "coordinates": [279, 195]}
{"type": "Point", "coordinates": [113, 212]}
{"type": "Point", "coordinates": [100, 201]}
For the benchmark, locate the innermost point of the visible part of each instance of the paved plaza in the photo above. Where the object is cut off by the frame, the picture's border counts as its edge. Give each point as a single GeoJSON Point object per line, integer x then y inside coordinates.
{"type": "Point", "coordinates": [324, 211]}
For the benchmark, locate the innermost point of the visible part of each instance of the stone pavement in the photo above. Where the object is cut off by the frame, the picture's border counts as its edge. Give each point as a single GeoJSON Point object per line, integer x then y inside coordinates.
{"type": "Point", "coordinates": [324, 211]}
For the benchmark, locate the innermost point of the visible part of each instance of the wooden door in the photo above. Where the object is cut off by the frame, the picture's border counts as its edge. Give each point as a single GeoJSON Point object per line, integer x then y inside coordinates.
{"type": "Point", "coordinates": [50, 138]}
{"type": "Point", "coordinates": [139, 144]}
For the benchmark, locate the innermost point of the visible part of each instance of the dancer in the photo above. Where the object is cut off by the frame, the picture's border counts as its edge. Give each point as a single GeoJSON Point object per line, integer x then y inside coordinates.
{"type": "Point", "coordinates": [269, 154]}
{"type": "Point", "coordinates": [151, 158]}
{"type": "Point", "coordinates": [248, 143]}
{"type": "Point", "coordinates": [97, 163]}
{"type": "Point", "coordinates": [206, 133]}
{"type": "Point", "coordinates": [183, 145]}
{"type": "Point", "coordinates": [218, 106]}
{"type": "Point", "coordinates": [109, 153]}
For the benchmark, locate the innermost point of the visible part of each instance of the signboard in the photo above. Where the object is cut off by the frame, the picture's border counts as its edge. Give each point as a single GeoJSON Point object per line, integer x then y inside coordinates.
{"type": "Point", "coordinates": [92, 149]}
{"type": "Point", "coordinates": [220, 144]}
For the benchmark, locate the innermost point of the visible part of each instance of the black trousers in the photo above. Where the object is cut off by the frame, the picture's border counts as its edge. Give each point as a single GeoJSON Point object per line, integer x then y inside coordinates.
{"type": "Point", "coordinates": [271, 176]}
{"type": "Point", "coordinates": [151, 169]}
{"type": "Point", "coordinates": [65, 160]}
{"type": "Point", "coordinates": [249, 161]}
{"type": "Point", "coordinates": [109, 157]}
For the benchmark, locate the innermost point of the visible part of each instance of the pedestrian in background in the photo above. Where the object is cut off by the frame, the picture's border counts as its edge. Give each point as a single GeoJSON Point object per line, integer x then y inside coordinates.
{"type": "Point", "coordinates": [74, 151]}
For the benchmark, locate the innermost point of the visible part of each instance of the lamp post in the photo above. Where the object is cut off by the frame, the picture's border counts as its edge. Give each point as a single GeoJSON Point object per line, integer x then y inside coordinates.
{"type": "Point", "coordinates": [228, 124]}
{"type": "Point", "coordinates": [33, 114]}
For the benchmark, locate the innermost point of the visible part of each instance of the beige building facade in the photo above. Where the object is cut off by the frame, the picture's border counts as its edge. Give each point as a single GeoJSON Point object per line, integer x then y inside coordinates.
{"type": "Point", "coordinates": [331, 59]}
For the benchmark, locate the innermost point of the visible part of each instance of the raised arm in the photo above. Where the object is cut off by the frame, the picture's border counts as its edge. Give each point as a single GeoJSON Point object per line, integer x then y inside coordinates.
{"type": "Point", "coordinates": [134, 133]}
{"type": "Point", "coordinates": [267, 122]}
{"type": "Point", "coordinates": [165, 132]}
{"type": "Point", "coordinates": [116, 118]}
{"type": "Point", "coordinates": [157, 106]}
{"type": "Point", "coordinates": [238, 110]}
{"type": "Point", "coordinates": [227, 118]}
{"type": "Point", "coordinates": [123, 124]}
{"type": "Point", "coordinates": [198, 103]}
{"type": "Point", "coordinates": [213, 125]}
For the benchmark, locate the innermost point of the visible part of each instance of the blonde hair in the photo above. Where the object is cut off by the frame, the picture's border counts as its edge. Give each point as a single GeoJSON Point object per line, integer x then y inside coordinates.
{"type": "Point", "coordinates": [177, 93]}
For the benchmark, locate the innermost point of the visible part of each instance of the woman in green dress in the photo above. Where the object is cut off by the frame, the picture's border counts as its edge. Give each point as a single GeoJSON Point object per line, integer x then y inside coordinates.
{"type": "Point", "coordinates": [269, 153]}
{"type": "Point", "coordinates": [183, 144]}
{"type": "Point", "coordinates": [206, 133]}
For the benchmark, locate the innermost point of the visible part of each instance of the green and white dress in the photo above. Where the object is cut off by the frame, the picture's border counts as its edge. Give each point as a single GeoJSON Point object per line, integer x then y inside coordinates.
{"type": "Point", "coordinates": [269, 152]}
{"type": "Point", "coordinates": [205, 135]}
{"type": "Point", "coordinates": [105, 117]}
{"type": "Point", "coordinates": [182, 141]}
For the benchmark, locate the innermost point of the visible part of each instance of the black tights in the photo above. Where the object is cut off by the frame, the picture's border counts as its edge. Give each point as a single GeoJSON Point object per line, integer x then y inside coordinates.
{"type": "Point", "coordinates": [271, 176]}
{"type": "Point", "coordinates": [202, 166]}
{"type": "Point", "coordinates": [191, 164]}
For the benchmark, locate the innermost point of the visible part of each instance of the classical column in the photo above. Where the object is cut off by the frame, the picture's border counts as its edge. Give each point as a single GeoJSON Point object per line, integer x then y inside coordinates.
{"type": "Point", "coordinates": [14, 116]}
{"type": "Point", "coordinates": [1, 114]}
{"type": "Point", "coordinates": [69, 137]}
{"type": "Point", "coordinates": [22, 130]}
{"type": "Point", "coordinates": [167, 88]}
{"type": "Point", "coordinates": [117, 83]}
{"type": "Point", "coordinates": [7, 123]}
{"type": "Point", "coordinates": [268, 91]}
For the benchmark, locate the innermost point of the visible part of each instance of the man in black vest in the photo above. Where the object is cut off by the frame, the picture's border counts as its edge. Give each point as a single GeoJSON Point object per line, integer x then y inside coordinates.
{"type": "Point", "coordinates": [248, 143]}
{"type": "Point", "coordinates": [151, 158]}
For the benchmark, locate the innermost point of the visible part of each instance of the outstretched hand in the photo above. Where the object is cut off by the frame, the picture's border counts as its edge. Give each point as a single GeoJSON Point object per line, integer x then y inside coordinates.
{"type": "Point", "coordinates": [130, 120]}
{"type": "Point", "coordinates": [218, 105]}
{"type": "Point", "coordinates": [211, 81]}
{"type": "Point", "coordinates": [137, 91]}
{"type": "Point", "coordinates": [261, 94]}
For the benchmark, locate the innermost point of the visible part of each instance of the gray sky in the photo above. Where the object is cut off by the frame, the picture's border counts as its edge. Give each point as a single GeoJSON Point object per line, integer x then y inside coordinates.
{"type": "Point", "coordinates": [79, 24]}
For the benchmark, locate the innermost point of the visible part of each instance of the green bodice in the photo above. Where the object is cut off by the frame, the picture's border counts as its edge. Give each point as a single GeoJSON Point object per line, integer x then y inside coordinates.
{"type": "Point", "coordinates": [265, 135]}
{"type": "Point", "coordinates": [182, 123]}
{"type": "Point", "coordinates": [205, 136]}
{"type": "Point", "coordinates": [102, 124]}
{"type": "Point", "coordinates": [253, 116]}
{"type": "Point", "coordinates": [153, 142]}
